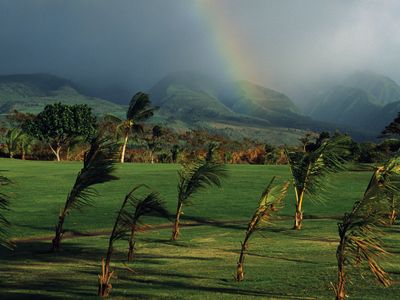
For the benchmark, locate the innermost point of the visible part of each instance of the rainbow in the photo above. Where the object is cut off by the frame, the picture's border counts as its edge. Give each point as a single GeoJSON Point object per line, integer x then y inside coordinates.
{"type": "Point", "coordinates": [229, 40]}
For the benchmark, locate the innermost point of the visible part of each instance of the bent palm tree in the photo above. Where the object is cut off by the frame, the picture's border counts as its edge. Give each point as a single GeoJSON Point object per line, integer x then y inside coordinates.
{"type": "Point", "coordinates": [390, 174]}
{"type": "Point", "coordinates": [149, 205]}
{"type": "Point", "coordinates": [269, 203]}
{"type": "Point", "coordinates": [309, 170]}
{"type": "Point", "coordinates": [193, 178]}
{"type": "Point", "coordinates": [4, 223]}
{"type": "Point", "coordinates": [139, 110]}
{"type": "Point", "coordinates": [98, 166]}
{"type": "Point", "coordinates": [360, 232]}
{"type": "Point", "coordinates": [128, 216]}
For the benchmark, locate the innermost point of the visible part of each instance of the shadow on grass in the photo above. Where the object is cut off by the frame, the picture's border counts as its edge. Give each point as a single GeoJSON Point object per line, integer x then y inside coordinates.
{"type": "Point", "coordinates": [284, 258]}
{"type": "Point", "coordinates": [40, 251]}
{"type": "Point", "coordinates": [178, 286]}
{"type": "Point", "coordinates": [228, 224]}
{"type": "Point", "coordinates": [140, 257]}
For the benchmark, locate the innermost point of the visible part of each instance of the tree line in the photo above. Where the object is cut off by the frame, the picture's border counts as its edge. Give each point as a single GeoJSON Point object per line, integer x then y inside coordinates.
{"type": "Point", "coordinates": [63, 132]}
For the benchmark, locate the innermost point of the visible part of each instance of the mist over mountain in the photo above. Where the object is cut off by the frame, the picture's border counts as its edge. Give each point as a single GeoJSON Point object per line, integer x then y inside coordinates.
{"type": "Point", "coordinates": [189, 100]}
{"type": "Point", "coordinates": [363, 101]}
{"type": "Point", "coordinates": [114, 49]}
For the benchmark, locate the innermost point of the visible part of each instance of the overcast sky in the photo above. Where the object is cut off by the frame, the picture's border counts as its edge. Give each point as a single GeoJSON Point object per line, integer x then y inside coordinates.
{"type": "Point", "coordinates": [131, 44]}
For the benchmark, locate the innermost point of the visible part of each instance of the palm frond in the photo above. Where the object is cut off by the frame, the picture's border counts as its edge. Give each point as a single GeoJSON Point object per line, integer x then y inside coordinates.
{"type": "Point", "coordinates": [269, 203]}
{"type": "Point", "coordinates": [98, 167]}
{"type": "Point", "coordinates": [309, 169]}
{"type": "Point", "coordinates": [4, 223]}
{"type": "Point", "coordinates": [120, 228]}
{"type": "Point", "coordinates": [109, 118]}
{"type": "Point", "coordinates": [151, 204]}
{"type": "Point", "coordinates": [140, 108]}
{"type": "Point", "coordinates": [134, 207]}
{"type": "Point", "coordinates": [137, 128]}
{"type": "Point", "coordinates": [198, 175]}
{"type": "Point", "coordinates": [361, 229]}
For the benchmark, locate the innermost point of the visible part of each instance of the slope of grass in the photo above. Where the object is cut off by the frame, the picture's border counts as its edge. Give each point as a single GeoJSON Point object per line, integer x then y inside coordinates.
{"type": "Point", "coordinates": [282, 263]}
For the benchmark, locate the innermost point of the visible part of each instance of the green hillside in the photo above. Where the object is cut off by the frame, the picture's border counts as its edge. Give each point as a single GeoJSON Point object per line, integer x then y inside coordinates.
{"type": "Point", "coordinates": [236, 110]}
{"type": "Point", "coordinates": [195, 98]}
{"type": "Point", "coordinates": [341, 104]}
{"type": "Point", "coordinates": [365, 101]}
{"type": "Point", "coordinates": [383, 89]}
{"type": "Point", "coordinates": [30, 93]}
{"type": "Point", "coordinates": [259, 102]}
{"type": "Point", "coordinates": [253, 99]}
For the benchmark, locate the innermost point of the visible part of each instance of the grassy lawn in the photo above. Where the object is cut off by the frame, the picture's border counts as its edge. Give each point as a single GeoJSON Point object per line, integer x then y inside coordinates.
{"type": "Point", "coordinates": [282, 263]}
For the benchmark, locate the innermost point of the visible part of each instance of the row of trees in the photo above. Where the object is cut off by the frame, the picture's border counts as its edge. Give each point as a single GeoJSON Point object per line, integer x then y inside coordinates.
{"type": "Point", "coordinates": [65, 132]}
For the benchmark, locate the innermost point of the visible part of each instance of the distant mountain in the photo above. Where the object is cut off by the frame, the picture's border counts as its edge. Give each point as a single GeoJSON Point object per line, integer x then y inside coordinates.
{"type": "Point", "coordinates": [191, 97]}
{"type": "Point", "coordinates": [191, 100]}
{"type": "Point", "coordinates": [365, 101]}
{"type": "Point", "coordinates": [260, 102]}
{"type": "Point", "coordinates": [31, 92]}
{"type": "Point", "coordinates": [255, 100]}
{"type": "Point", "coordinates": [196, 97]}
{"type": "Point", "coordinates": [341, 104]}
{"type": "Point", "coordinates": [383, 89]}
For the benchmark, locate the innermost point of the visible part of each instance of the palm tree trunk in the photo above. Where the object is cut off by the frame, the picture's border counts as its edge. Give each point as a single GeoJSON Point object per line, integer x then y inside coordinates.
{"type": "Point", "coordinates": [240, 264]}
{"type": "Point", "coordinates": [298, 217]}
{"type": "Point", "coordinates": [105, 287]}
{"type": "Point", "coordinates": [393, 213]}
{"type": "Point", "coordinates": [131, 243]}
{"type": "Point", "coordinates": [124, 147]}
{"type": "Point", "coordinates": [340, 288]}
{"type": "Point", "coordinates": [59, 232]}
{"type": "Point", "coordinates": [175, 232]}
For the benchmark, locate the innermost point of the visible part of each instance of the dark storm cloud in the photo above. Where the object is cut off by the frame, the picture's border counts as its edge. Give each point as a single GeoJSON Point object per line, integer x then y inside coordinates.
{"type": "Point", "coordinates": [131, 44]}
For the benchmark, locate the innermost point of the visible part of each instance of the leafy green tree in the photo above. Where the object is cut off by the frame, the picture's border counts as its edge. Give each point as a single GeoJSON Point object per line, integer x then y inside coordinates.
{"type": "Point", "coordinates": [309, 170]}
{"type": "Point", "coordinates": [4, 223]}
{"type": "Point", "coordinates": [133, 208]}
{"type": "Point", "coordinates": [360, 231]}
{"type": "Point", "coordinates": [98, 166]}
{"type": "Point", "coordinates": [58, 124]}
{"type": "Point", "coordinates": [194, 177]}
{"type": "Point", "coordinates": [269, 203]}
{"type": "Point", "coordinates": [139, 110]}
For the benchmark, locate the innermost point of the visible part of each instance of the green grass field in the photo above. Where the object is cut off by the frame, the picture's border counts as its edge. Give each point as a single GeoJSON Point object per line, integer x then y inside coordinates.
{"type": "Point", "coordinates": [281, 264]}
